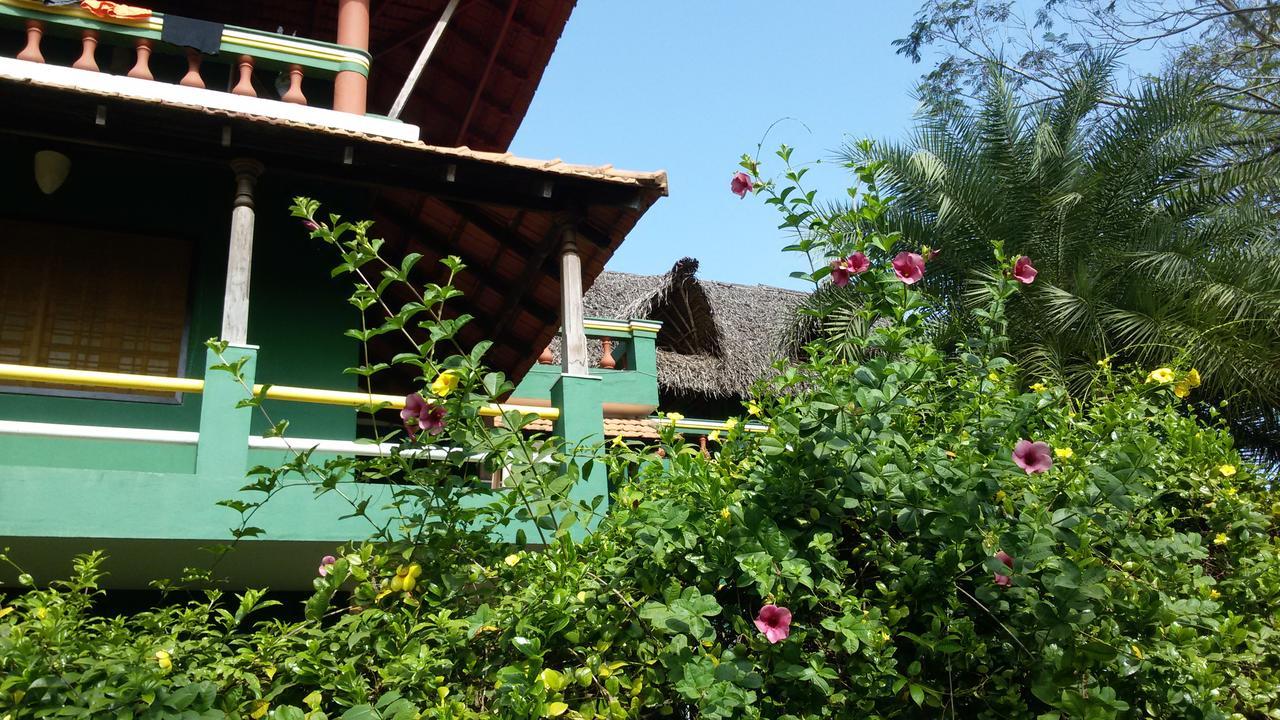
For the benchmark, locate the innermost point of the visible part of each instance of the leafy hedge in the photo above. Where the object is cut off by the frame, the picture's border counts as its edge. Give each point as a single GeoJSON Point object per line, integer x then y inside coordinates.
{"type": "Point", "coordinates": [926, 572]}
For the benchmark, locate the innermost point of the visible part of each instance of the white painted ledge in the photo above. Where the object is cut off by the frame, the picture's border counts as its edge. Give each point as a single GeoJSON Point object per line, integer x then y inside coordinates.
{"type": "Point", "coordinates": [69, 78]}
{"type": "Point", "coordinates": [180, 437]}
{"type": "Point", "coordinates": [95, 432]}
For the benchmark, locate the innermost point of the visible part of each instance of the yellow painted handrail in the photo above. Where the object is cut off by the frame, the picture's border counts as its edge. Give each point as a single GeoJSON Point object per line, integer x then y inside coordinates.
{"type": "Point", "coordinates": [127, 381]}
{"type": "Point", "coordinates": [124, 381]}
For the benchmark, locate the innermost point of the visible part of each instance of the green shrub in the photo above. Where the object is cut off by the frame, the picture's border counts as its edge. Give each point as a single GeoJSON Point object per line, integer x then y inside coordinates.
{"type": "Point", "coordinates": [1143, 572]}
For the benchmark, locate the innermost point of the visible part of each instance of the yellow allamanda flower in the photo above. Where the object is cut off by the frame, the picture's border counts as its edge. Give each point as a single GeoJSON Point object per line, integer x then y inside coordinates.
{"type": "Point", "coordinates": [445, 383]}
{"type": "Point", "coordinates": [511, 560]}
{"type": "Point", "coordinates": [724, 514]}
{"type": "Point", "coordinates": [618, 442]}
{"type": "Point", "coordinates": [731, 423]}
{"type": "Point", "coordinates": [1160, 375]}
{"type": "Point", "coordinates": [406, 578]}
{"type": "Point", "coordinates": [1038, 387]}
{"type": "Point", "coordinates": [674, 417]}
{"type": "Point", "coordinates": [164, 660]}
{"type": "Point", "coordinates": [1221, 539]}
{"type": "Point", "coordinates": [1227, 470]}
{"type": "Point", "coordinates": [1063, 453]}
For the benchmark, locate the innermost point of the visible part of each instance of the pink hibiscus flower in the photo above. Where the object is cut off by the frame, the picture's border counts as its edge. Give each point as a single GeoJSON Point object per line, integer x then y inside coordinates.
{"type": "Point", "coordinates": [1034, 457]}
{"type": "Point", "coordinates": [909, 267]}
{"type": "Point", "coordinates": [433, 420]}
{"type": "Point", "coordinates": [842, 270]}
{"type": "Point", "coordinates": [741, 184]}
{"type": "Point", "coordinates": [414, 408]}
{"type": "Point", "coordinates": [1001, 579]}
{"type": "Point", "coordinates": [1023, 271]}
{"type": "Point", "coordinates": [774, 622]}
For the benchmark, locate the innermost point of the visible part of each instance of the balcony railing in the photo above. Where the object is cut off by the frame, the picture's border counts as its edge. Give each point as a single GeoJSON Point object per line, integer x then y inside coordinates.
{"type": "Point", "coordinates": [251, 64]}
{"type": "Point", "coordinates": [283, 393]}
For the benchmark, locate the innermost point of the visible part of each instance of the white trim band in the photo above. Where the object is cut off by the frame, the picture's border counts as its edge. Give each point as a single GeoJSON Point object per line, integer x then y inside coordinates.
{"type": "Point", "coordinates": [69, 78]}
{"type": "Point", "coordinates": [96, 432]}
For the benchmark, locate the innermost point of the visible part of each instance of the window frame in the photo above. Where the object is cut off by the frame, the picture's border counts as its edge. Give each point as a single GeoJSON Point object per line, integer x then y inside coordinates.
{"type": "Point", "coordinates": [188, 319]}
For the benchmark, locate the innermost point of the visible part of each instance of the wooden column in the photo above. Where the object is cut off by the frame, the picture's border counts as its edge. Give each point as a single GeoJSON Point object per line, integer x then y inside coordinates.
{"type": "Point", "coordinates": [235, 301]}
{"type": "Point", "coordinates": [350, 88]}
{"type": "Point", "coordinates": [573, 333]}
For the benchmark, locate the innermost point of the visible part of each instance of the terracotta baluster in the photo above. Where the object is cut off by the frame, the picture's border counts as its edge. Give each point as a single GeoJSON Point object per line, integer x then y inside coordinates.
{"type": "Point", "coordinates": [660, 452]}
{"type": "Point", "coordinates": [294, 93]}
{"type": "Point", "coordinates": [606, 354]}
{"type": "Point", "coordinates": [31, 53]}
{"type": "Point", "coordinates": [245, 85]}
{"type": "Point", "coordinates": [702, 443]}
{"type": "Point", "coordinates": [142, 68]}
{"type": "Point", "coordinates": [88, 54]}
{"type": "Point", "coordinates": [547, 358]}
{"type": "Point", "coordinates": [192, 78]}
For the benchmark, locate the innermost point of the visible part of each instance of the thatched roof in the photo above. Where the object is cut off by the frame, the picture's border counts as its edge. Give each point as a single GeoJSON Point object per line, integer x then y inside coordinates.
{"type": "Point", "coordinates": [717, 338]}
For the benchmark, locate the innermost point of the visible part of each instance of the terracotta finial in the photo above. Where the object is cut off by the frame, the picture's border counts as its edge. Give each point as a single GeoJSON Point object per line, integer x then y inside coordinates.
{"type": "Point", "coordinates": [88, 54]}
{"type": "Point", "coordinates": [245, 85]}
{"type": "Point", "coordinates": [294, 93]}
{"type": "Point", "coordinates": [547, 357]}
{"type": "Point", "coordinates": [142, 68]}
{"type": "Point", "coordinates": [606, 354]}
{"type": "Point", "coordinates": [31, 53]}
{"type": "Point", "coordinates": [192, 78]}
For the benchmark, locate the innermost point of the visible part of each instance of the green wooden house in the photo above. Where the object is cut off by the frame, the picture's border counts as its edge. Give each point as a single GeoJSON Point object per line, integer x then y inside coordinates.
{"type": "Point", "coordinates": [149, 156]}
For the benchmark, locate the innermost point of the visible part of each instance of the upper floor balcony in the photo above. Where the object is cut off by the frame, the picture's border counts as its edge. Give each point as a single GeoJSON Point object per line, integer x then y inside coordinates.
{"type": "Point", "coordinates": [173, 60]}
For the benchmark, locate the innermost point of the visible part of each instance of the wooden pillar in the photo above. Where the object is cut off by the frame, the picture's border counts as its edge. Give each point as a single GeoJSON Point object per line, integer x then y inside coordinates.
{"type": "Point", "coordinates": [350, 88]}
{"type": "Point", "coordinates": [573, 333]}
{"type": "Point", "coordinates": [235, 301]}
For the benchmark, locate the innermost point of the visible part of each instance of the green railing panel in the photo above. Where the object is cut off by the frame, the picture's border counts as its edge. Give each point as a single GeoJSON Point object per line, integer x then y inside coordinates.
{"type": "Point", "coordinates": [273, 50]}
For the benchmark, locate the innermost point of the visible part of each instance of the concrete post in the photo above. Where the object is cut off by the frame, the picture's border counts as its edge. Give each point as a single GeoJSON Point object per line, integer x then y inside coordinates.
{"type": "Point", "coordinates": [642, 353]}
{"type": "Point", "coordinates": [581, 424]}
{"type": "Point", "coordinates": [223, 448]}
{"type": "Point", "coordinates": [235, 299]}
{"type": "Point", "coordinates": [350, 88]}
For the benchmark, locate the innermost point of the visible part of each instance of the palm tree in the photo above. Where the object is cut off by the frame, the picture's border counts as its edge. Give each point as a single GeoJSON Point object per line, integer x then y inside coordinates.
{"type": "Point", "coordinates": [1155, 243]}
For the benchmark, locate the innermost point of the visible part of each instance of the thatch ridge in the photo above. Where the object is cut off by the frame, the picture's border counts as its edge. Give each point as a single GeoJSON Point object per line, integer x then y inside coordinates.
{"type": "Point", "coordinates": [741, 328]}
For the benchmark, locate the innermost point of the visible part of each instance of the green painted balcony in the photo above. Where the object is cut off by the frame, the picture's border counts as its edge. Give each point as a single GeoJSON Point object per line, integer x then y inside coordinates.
{"type": "Point", "coordinates": [266, 75]}
{"type": "Point", "coordinates": [144, 469]}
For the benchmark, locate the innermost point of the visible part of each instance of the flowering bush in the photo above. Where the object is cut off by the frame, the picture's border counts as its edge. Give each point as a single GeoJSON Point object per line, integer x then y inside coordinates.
{"type": "Point", "coordinates": [913, 537]}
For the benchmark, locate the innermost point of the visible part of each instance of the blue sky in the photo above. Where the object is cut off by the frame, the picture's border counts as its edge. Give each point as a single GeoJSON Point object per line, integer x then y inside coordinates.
{"type": "Point", "coordinates": [689, 85]}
